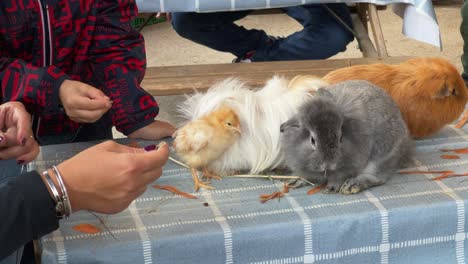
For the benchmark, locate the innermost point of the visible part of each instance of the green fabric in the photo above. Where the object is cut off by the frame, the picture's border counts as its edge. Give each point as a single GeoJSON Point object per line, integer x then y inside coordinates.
{"type": "Point", "coordinates": [464, 33]}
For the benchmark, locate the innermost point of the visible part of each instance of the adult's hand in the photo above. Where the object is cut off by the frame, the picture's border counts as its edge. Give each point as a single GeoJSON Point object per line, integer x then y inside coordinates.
{"type": "Point", "coordinates": [16, 136]}
{"type": "Point", "coordinates": [107, 177]}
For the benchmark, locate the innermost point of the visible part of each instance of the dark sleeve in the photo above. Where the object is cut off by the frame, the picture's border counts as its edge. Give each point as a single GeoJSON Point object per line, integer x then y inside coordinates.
{"type": "Point", "coordinates": [27, 212]}
{"type": "Point", "coordinates": [36, 87]}
{"type": "Point", "coordinates": [119, 62]}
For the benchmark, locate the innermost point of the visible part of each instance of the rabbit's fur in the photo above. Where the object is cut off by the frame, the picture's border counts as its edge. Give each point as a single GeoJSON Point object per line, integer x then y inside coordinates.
{"type": "Point", "coordinates": [350, 136]}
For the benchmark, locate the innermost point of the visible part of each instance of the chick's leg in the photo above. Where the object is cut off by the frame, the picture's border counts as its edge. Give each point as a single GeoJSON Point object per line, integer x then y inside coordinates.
{"type": "Point", "coordinates": [197, 182]}
{"type": "Point", "coordinates": [208, 174]}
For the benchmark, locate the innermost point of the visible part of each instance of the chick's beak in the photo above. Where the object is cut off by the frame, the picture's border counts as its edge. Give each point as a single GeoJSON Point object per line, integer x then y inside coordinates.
{"type": "Point", "coordinates": [237, 129]}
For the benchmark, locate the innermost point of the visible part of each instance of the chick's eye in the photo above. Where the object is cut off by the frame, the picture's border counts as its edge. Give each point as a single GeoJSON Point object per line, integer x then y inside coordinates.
{"type": "Point", "coordinates": [229, 123]}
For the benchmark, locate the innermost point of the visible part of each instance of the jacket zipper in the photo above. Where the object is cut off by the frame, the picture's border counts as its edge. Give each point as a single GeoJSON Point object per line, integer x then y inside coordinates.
{"type": "Point", "coordinates": [49, 32]}
{"type": "Point", "coordinates": [46, 34]}
{"type": "Point", "coordinates": [46, 49]}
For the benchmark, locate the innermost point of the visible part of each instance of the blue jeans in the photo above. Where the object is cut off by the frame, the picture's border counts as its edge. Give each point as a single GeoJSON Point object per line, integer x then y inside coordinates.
{"type": "Point", "coordinates": [322, 36]}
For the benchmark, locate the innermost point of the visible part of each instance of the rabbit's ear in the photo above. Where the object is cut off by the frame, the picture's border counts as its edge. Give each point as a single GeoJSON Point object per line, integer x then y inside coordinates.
{"type": "Point", "coordinates": [324, 92]}
{"type": "Point", "coordinates": [291, 123]}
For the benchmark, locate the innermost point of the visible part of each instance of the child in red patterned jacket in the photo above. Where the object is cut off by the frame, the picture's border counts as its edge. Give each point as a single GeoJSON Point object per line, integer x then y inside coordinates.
{"type": "Point", "coordinates": [77, 67]}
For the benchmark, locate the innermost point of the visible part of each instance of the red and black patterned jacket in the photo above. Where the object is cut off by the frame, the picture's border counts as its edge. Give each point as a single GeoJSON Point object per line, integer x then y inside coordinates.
{"type": "Point", "coordinates": [44, 42]}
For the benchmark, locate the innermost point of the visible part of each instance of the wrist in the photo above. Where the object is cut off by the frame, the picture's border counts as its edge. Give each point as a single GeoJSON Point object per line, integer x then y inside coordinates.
{"type": "Point", "coordinates": [61, 88]}
{"type": "Point", "coordinates": [57, 190]}
{"type": "Point", "coordinates": [67, 176]}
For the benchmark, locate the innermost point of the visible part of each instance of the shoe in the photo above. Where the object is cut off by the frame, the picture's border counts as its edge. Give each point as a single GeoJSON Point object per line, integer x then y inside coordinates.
{"type": "Point", "coordinates": [244, 59]}
{"type": "Point", "coordinates": [247, 58]}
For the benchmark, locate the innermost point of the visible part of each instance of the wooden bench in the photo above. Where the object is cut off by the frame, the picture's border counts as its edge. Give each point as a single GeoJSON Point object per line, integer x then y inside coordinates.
{"type": "Point", "coordinates": [172, 80]}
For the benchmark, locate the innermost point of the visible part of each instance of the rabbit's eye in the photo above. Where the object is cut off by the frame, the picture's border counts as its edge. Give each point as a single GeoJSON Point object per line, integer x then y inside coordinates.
{"type": "Point", "coordinates": [312, 140]}
{"type": "Point", "coordinates": [341, 138]}
{"type": "Point", "coordinates": [454, 92]}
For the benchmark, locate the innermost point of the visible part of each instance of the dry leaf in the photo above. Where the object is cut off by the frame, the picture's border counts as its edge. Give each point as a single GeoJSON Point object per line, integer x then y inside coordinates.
{"type": "Point", "coordinates": [175, 191]}
{"type": "Point", "coordinates": [459, 151]}
{"type": "Point", "coordinates": [449, 175]}
{"type": "Point", "coordinates": [463, 120]}
{"type": "Point", "coordinates": [315, 189]}
{"type": "Point", "coordinates": [266, 197]}
{"type": "Point", "coordinates": [86, 228]}
{"type": "Point", "coordinates": [450, 157]}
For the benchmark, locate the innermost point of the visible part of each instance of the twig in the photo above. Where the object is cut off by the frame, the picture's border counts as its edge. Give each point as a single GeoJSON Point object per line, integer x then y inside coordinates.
{"type": "Point", "coordinates": [161, 202]}
{"type": "Point", "coordinates": [178, 162]}
{"type": "Point", "coordinates": [424, 172]}
{"type": "Point", "coordinates": [280, 177]}
{"type": "Point", "coordinates": [271, 177]}
{"type": "Point", "coordinates": [103, 224]}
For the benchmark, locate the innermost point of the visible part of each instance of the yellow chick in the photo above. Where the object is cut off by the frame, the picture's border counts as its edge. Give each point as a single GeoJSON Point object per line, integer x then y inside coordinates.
{"type": "Point", "coordinates": [201, 141]}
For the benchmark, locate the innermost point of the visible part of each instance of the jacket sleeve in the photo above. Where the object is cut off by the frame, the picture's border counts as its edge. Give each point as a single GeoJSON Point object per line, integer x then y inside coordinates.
{"type": "Point", "coordinates": [119, 63]}
{"type": "Point", "coordinates": [36, 87]}
{"type": "Point", "coordinates": [27, 212]}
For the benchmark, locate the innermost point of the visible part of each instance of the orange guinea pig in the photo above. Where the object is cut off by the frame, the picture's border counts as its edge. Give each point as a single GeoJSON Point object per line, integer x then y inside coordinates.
{"type": "Point", "coordinates": [429, 91]}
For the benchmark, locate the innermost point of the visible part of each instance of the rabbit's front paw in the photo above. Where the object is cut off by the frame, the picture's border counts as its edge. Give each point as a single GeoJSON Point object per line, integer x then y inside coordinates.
{"type": "Point", "coordinates": [334, 182]}
{"type": "Point", "coordinates": [332, 188]}
{"type": "Point", "coordinates": [360, 183]}
{"type": "Point", "coordinates": [351, 186]}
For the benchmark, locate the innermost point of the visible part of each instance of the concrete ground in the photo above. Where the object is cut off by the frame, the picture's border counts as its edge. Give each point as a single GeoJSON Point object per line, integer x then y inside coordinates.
{"type": "Point", "coordinates": [165, 47]}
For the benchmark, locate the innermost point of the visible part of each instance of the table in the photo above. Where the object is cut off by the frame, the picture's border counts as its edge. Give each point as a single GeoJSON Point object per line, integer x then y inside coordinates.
{"type": "Point", "coordinates": [419, 18]}
{"type": "Point", "coordinates": [411, 219]}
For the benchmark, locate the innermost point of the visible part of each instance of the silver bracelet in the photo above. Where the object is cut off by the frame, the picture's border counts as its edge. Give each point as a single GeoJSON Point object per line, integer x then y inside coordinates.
{"type": "Point", "coordinates": [59, 205]}
{"type": "Point", "coordinates": [51, 185]}
{"type": "Point", "coordinates": [65, 198]}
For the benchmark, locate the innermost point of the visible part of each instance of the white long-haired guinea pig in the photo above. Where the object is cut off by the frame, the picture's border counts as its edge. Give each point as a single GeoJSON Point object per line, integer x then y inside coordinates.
{"type": "Point", "coordinates": [350, 136]}
{"type": "Point", "coordinates": [261, 113]}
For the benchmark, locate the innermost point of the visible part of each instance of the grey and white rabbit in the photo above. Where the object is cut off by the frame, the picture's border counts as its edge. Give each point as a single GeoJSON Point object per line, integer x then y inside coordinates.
{"type": "Point", "coordinates": [349, 136]}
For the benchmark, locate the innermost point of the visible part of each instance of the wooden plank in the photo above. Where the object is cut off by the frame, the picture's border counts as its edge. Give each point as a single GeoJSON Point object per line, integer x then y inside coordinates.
{"type": "Point", "coordinates": [186, 79]}
{"type": "Point", "coordinates": [242, 68]}
{"type": "Point", "coordinates": [387, 60]}
{"type": "Point", "coordinates": [377, 30]}
{"type": "Point", "coordinates": [190, 84]}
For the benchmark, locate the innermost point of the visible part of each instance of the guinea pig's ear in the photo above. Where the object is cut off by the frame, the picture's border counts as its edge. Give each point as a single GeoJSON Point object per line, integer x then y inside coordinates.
{"type": "Point", "coordinates": [324, 92]}
{"type": "Point", "coordinates": [291, 123]}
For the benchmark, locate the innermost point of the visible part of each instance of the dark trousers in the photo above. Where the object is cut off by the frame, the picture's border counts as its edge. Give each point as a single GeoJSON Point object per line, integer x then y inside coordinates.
{"type": "Point", "coordinates": [322, 36]}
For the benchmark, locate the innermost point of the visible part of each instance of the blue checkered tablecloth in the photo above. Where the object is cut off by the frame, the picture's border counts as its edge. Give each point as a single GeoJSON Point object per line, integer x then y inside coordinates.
{"type": "Point", "coordinates": [411, 219]}
{"type": "Point", "coordinates": [419, 18]}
